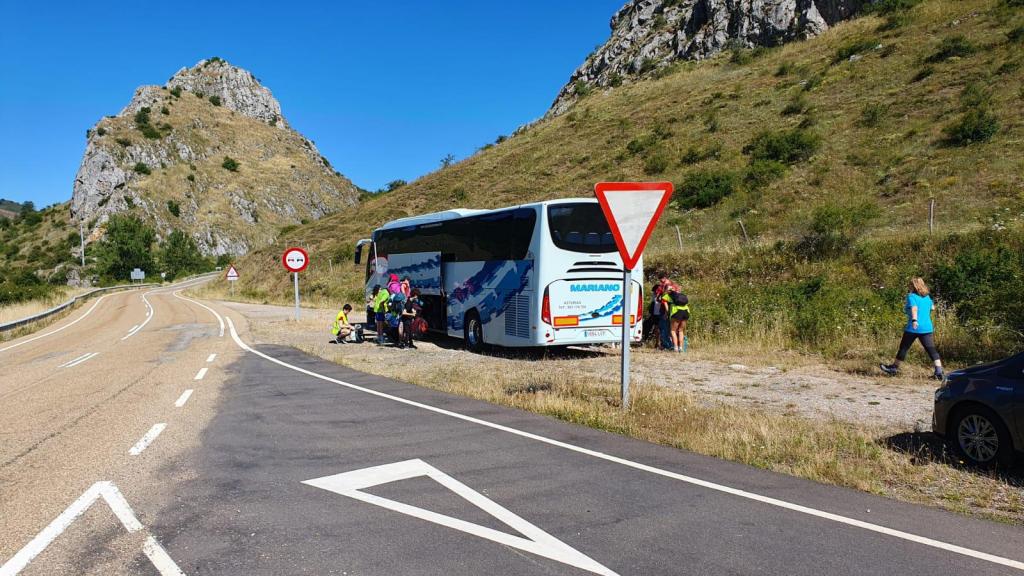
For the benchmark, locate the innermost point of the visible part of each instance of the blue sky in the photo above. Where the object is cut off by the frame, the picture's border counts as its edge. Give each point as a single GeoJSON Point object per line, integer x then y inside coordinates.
{"type": "Point", "coordinates": [385, 89]}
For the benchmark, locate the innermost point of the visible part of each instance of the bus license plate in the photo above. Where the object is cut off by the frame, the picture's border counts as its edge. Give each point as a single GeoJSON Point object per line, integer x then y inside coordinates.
{"type": "Point", "coordinates": [594, 333]}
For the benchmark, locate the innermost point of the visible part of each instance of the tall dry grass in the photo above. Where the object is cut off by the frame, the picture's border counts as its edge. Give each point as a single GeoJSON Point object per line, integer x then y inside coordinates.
{"type": "Point", "coordinates": [21, 310]}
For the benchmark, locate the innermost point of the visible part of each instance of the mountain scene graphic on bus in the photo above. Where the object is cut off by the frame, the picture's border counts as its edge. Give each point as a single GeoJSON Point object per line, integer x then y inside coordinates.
{"type": "Point", "coordinates": [503, 280]}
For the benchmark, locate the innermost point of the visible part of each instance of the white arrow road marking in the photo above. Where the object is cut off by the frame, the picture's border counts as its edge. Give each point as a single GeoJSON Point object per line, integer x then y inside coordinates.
{"type": "Point", "coordinates": [201, 374]}
{"type": "Point", "coordinates": [64, 327]}
{"type": "Point", "coordinates": [876, 528]}
{"type": "Point", "coordinates": [146, 440]}
{"type": "Point", "coordinates": [183, 398]}
{"type": "Point", "coordinates": [211, 357]}
{"type": "Point", "coordinates": [536, 542]}
{"type": "Point", "coordinates": [115, 500]}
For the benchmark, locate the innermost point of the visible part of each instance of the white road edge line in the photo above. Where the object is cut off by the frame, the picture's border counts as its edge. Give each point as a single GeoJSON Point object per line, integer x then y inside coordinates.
{"type": "Point", "coordinates": [64, 365]}
{"type": "Point", "coordinates": [660, 472]}
{"type": "Point", "coordinates": [117, 503]}
{"type": "Point", "coordinates": [64, 327]}
{"type": "Point", "coordinates": [211, 357]}
{"type": "Point", "coordinates": [149, 316]}
{"type": "Point", "coordinates": [183, 398]}
{"type": "Point", "coordinates": [220, 319]}
{"type": "Point", "coordinates": [81, 360]}
{"type": "Point", "coordinates": [146, 440]}
{"type": "Point", "coordinates": [201, 374]}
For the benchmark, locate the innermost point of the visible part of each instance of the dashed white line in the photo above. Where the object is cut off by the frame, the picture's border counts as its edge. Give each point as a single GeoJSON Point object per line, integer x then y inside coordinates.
{"type": "Point", "coordinates": [183, 398]}
{"type": "Point", "coordinates": [211, 357]}
{"type": "Point", "coordinates": [201, 374]}
{"type": "Point", "coordinates": [64, 327]}
{"type": "Point", "coordinates": [149, 316]}
{"type": "Point", "coordinates": [876, 528]}
{"type": "Point", "coordinates": [146, 440]}
{"type": "Point", "coordinates": [79, 360]}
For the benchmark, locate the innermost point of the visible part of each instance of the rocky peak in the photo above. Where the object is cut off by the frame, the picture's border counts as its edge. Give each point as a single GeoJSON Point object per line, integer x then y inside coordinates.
{"type": "Point", "coordinates": [650, 34]}
{"type": "Point", "coordinates": [236, 89]}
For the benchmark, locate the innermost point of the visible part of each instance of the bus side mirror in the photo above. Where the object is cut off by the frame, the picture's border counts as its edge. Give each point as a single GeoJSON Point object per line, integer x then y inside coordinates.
{"type": "Point", "coordinates": [359, 254]}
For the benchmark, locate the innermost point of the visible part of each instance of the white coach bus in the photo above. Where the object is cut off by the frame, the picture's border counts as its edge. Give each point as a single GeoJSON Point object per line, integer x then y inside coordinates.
{"type": "Point", "coordinates": [543, 274]}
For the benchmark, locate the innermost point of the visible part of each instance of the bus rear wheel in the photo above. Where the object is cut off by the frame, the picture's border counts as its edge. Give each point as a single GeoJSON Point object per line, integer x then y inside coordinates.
{"type": "Point", "coordinates": [473, 332]}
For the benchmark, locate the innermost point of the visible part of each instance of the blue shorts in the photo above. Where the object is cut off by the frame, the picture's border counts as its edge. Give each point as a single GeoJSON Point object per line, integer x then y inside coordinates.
{"type": "Point", "coordinates": [379, 317]}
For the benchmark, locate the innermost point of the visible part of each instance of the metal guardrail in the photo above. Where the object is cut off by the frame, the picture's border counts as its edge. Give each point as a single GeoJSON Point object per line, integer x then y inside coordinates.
{"type": "Point", "coordinates": [65, 306]}
{"type": "Point", "coordinates": [81, 297]}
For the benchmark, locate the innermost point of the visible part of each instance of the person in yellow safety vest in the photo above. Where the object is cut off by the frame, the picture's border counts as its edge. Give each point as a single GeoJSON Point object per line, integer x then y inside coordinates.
{"type": "Point", "coordinates": [380, 307]}
{"type": "Point", "coordinates": [341, 328]}
{"type": "Point", "coordinates": [678, 313]}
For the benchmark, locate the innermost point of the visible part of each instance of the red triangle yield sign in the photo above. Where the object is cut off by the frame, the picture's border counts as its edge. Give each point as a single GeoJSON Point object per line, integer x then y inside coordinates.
{"type": "Point", "coordinates": [632, 210]}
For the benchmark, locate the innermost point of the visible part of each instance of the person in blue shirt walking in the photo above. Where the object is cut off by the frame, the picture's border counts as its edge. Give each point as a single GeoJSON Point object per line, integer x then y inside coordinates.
{"type": "Point", "coordinates": [919, 308]}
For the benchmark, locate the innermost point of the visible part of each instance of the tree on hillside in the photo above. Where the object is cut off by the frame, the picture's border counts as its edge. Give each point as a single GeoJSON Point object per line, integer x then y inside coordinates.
{"type": "Point", "coordinates": [179, 256]}
{"type": "Point", "coordinates": [127, 245]}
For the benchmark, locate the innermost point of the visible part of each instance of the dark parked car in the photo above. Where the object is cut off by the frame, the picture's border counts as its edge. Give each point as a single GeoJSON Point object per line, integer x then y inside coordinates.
{"type": "Point", "coordinates": [980, 410]}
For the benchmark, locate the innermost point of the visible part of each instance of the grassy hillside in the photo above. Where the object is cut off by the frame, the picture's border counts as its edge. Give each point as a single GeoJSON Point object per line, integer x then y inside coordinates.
{"type": "Point", "coordinates": [38, 241]}
{"type": "Point", "coordinates": [829, 151]}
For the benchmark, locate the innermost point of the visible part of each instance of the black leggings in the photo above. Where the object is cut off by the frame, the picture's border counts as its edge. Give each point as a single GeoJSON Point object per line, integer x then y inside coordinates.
{"type": "Point", "coordinates": [926, 340]}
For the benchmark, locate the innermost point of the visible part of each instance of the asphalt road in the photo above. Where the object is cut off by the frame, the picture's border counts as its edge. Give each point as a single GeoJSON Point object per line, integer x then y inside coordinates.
{"type": "Point", "coordinates": [279, 463]}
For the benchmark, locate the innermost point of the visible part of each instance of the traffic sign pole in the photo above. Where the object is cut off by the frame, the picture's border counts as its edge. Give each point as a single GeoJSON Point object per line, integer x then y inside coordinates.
{"type": "Point", "coordinates": [296, 296]}
{"type": "Point", "coordinates": [627, 331]}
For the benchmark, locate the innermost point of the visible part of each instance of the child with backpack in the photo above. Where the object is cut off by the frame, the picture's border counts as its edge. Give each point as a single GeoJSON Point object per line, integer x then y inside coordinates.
{"type": "Point", "coordinates": [410, 312]}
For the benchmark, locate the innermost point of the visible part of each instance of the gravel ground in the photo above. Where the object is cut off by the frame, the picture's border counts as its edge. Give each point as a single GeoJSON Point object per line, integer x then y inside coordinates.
{"type": "Point", "coordinates": [813, 391]}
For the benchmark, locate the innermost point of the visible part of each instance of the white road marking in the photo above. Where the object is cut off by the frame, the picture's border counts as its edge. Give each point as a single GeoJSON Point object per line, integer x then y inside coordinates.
{"type": "Point", "coordinates": [220, 319]}
{"type": "Point", "coordinates": [537, 541]}
{"type": "Point", "coordinates": [117, 503]}
{"type": "Point", "coordinates": [1016, 564]}
{"type": "Point", "coordinates": [149, 316]}
{"type": "Point", "coordinates": [211, 357]}
{"type": "Point", "coordinates": [183, 398]}
{"type": "Point", "coordinates": [86, 358]}
{"type": "Point", "coordinates": [146, 440]}
{"type": "Point", "coordinates": [201, 374]}
{"type": "Point", "coordinates": [64, 327]}
{"type": "Point", "coordinates": [64, 365]}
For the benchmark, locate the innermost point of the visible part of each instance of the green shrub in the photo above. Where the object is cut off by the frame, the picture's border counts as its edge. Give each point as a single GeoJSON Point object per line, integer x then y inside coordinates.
{"type": "Point", "coordinates": [983, 280]}
{"type": "Point", "coordinates": [581, 88]}
{"type": "Point", "coordinates": [615, 80]}
{"type": "Point", "coordinates": [798, 105]}
{"type": "Point", "coordinates": [952, 47]}
{"type": "Point", "coordinates": [705, 188]}
{"type": "Point", "coordinates": [872, 114]}
{"type": "Point", "coordinates": [854, 46]}
{"type": "Point", "coordinates": [1016, 35]}
{"type": "Point", "coordinates": [191, 177]}
{"type": "Point", "coordinates": [141, 168]}
{"type": "Point", "coordinates": [884, 7]}
{"type": "Point", "coordinates": [744, 56]}
{"type": "Point", "coordinates": [785, 69]}
{"type": "Point", "coordinates": [761, 173]}
{"type": "Point", "coordinates": [124, 142]}
{"type": "Point", "coordinates": [215, 100]}
{"type": "Point", "coordinates": [975, 95]}
{"type": "Point", "coordinates": [174, 208]}
{"type": "Point", "coordinates": [975, 125]}
{"type": "Point", "coordinates": [695, 154]}
{"type": "Point", "coordinates": [101, 131]}
{"type": "Point", "coordinates": [656, 162]}
{"type": "Point", "coordinates": [647, 65]}
{"type": "Point", "coordinates": [230, 164]}
{"type": "Point", "coordinates": [142, 116]}
{"type": "Point", "coordinates": [176, 91]}
{"type": "Point", "coordinates": [786, 146]}
{"type": "Point", "coordinates": [834, 228]}
{"type": "Point", "coordinates": [165, 110]}
{"type": "Point", "coordinates": [150, 132]}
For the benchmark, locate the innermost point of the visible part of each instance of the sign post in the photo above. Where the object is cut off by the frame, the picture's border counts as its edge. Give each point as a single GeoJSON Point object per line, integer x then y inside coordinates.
{"type": "Point", "coordinates": [295, 260]}
{"type": "Point", "coordinates": [632, 210]}
{"type": "Point", "coordinates": [232, 276]}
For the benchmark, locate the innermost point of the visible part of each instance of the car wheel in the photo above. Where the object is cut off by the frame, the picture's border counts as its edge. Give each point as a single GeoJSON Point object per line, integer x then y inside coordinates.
{"type": "Point", "coordinates": [473, 332]}
{"type": "Point", "coordinates": [980, 437]}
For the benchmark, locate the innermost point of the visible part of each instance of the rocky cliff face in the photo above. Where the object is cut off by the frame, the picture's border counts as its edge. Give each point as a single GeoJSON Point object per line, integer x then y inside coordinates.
{"type": "Point", "coordinates": [211, 154]}
{"type": "Point", "coordinates": [650, 34]}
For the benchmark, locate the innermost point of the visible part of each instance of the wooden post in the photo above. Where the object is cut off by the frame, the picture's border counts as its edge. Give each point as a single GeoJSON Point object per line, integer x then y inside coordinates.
{"type": "Point", "coordinates": [931, 216]}
{"type": "Point", "coordinates": [679, 236]}
{"type": "Point", "coordinates": [744, 229]}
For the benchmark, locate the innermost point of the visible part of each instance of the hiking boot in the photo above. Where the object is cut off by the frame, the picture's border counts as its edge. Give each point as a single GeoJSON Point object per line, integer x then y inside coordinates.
{"type": "Point", "coordinates": [889, 369]}
{"type": "Point", "coordinates": [411, 345]}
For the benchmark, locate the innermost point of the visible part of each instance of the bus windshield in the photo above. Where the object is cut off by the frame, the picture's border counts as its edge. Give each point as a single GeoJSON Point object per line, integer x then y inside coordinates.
{"type": "Point", "coordinates": [580, 228]}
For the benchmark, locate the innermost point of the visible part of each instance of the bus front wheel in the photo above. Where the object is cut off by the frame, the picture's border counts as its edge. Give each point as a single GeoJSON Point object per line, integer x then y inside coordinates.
{"type": "Point", "coordinates": [473, 332]}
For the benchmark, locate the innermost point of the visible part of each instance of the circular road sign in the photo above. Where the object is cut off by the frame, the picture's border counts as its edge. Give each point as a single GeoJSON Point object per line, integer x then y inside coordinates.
{"type": "Point", "coordinates": [295, 259]}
